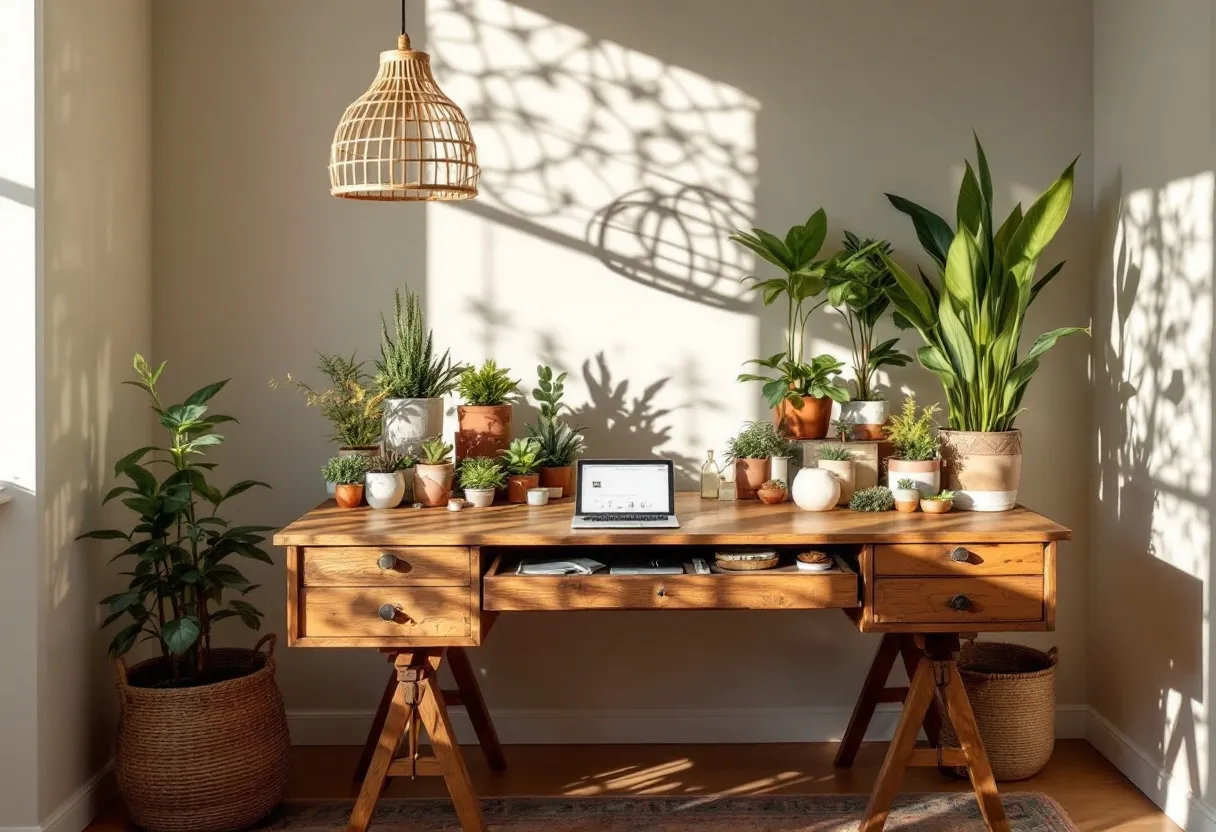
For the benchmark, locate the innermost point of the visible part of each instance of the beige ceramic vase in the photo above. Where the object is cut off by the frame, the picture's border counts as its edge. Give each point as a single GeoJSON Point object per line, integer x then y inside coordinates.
{"type": "Point", "coordinates": [433, 483]}
{"type": "Point", "coordinates": [983, 469]}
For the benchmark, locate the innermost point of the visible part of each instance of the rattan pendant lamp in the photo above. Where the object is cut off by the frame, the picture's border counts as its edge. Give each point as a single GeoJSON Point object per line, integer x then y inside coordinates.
{"type": "Point", "coordinates": [403, 139]}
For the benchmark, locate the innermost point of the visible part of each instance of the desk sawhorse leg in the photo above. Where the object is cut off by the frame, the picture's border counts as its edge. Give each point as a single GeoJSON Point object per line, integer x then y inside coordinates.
{"type": "Point", "coordinates": [411, 697]}
{"type": "Point", "coordinates": [931, 662]}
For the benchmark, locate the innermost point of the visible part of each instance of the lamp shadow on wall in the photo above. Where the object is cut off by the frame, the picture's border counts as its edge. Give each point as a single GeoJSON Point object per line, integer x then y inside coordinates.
{"type": "Point", "coordinates": [1154, 394]}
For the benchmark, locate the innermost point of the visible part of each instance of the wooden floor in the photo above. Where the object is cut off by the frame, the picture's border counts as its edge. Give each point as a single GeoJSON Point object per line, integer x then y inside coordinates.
{"type": "Point", "coordinates": [1093, 793]}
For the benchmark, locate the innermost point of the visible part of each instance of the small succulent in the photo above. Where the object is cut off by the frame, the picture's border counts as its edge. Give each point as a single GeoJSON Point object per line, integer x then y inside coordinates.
{"type": "Point", "coordinates": [346, 470]}
{"type": "Point", "coordinates": [875, 498]}
{"type": "Point", "coordinates": [835, 453]}
{"type": "Point", "coordinates": [906, 484]}
{"type": "Point", "coordinates": [482, 472]}
{"type": "Point", "coordinates": [842, 429]}
{"type": "Point", "coordinates": [489, 385]}
{"type": "Point", "coordinates": [945, 495]}
{"type": "Point", "coordinates": [774, 484]}
{"type": "Point", "coordinates": [435, 451]}
{"type": "Point", "coordinates": [559, 443]}
{"type": "Point", "coordinates": [523, 456]}
{"type": "Point", "coordinates": [390, 463]}
{"type": "Point", "coordinates": [757, 440]}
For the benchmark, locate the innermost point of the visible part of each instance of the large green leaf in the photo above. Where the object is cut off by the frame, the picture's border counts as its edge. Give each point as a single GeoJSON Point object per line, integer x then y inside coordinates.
{"type": "Point", "coordinates": [970, 208]}
{"type": "Point", "coordinates": [959, 276]}
{"type": "Point", "coordinates": [936, 362]}
{"type": "Point", "coordinates": [204, 394]}
{"type": "Point", "coordinates": [1048, 340]}
{"type": "Point", "coordinates": [775, 244]}
{"type": "Point", "coordinates": [144, 480]}
{"type": "Point", "coordinates": [104, 534]}
{"type": "Point", "coordinates": [981, 159]}
{"type": "Point", "coordinates": [1005, 232]}
{"type": "Point", "coordinates": [914, 291]}
{"type": "Point", "coordinates": [754, 245]}
{"type": "Point", "coordinates": [1042, 282]}
{"type": "Point", "coordinates": [957, 341]}
{"type": "Point", "coordinates": [124, 639]}
{"type": "Point", "coordinates": [1039, 226]}
{"type": "Point", "coordinates": [180, 634]}
{"type": "Point", "coordinates": [133, 457]}
{"type": "Point", "coordinates": [933, 232]}
{"type": "Point", "coordinates": [816, 232]}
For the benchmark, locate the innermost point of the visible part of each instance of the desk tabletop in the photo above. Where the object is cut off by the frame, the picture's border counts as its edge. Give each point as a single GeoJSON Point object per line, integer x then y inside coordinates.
{"type": "Point", "coordinates": [702, 522]}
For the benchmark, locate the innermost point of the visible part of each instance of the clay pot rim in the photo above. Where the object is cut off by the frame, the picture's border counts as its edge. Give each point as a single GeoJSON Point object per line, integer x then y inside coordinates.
{"type": "Point", "coordinates": [953, 432]}
{"type": "Point", "coordinates": [914, 466]}
{"type": "Point", "coordinates": [431, 465]}
{"type": "Point", "coordinates": [949, 504]}
{"type": "Point", "coordinates": [464, 408]}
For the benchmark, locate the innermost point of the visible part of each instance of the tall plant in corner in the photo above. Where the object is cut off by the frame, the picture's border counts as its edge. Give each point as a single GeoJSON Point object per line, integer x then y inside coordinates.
{"type": "Point", "coordinates": [414, 378]}
{"type": "Point", "coordinates": [971, 319]}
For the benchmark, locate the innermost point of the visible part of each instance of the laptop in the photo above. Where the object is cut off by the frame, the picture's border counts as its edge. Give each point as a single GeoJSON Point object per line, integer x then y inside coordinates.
{"type": "Point", "coordinates": [625, 494]}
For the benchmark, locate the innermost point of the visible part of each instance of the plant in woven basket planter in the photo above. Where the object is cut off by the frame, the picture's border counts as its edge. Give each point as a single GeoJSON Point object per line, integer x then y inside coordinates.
{"type": "Point", "coordinates": [913, 433]}
{"type": "Point", "coordinates": [177, 765]}
{"type": "Point", "coordinates": [485, 417]}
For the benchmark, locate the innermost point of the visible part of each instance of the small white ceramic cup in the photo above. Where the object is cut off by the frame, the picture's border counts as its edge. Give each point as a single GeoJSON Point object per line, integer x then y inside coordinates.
{"type": "Point", "coordinates": [538, 496]}
{"type": "Point", "coordinates": [455, 504]}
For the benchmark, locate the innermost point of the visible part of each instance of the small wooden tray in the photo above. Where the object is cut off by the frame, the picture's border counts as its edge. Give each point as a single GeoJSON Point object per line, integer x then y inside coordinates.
{"type": "Point", "coordinates": [749, 565]}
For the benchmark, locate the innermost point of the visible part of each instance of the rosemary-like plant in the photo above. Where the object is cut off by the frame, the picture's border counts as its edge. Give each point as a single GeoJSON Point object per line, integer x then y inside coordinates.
{"type": "Point", "coordinates": [757, 440]}
{"type": "Point", "coordinates": [408, 367]}
{"type": "Point", "coordinates": [346, 470]}
{"type": "Point", "coordinates": [913, 434]}
{"type": "Point", "coordinates": [835, 453]}
{"type": "Point", "coordinates": [390, 463]}
{"type": "Point", "coordinates": [348, 403]}
{"type": "Point", "coordinates": [874, 498]}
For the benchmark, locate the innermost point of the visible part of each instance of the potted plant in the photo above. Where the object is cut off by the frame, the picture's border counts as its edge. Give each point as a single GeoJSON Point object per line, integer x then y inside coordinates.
{"type": "Point", "coordinates": [857, 290]}
{"type": "Point", "coordinates": [799, 392]}
{"type": "Point", "coordinates": [874, 498]}
{"type": "Point", "coordinates": [413, 379]}
{"type": "Point", "coordinates": [485, 417]}
{"type": "Point", "coordinates": [914, 437]}
{"type": "Point", "coordinates": [560, 444]}
{"type": "Point", "coordinates": [177, 766]}
{"type": "Point", "coordinates": [907, 496]}
{"type": "Point", "coordinates": [522, 458]}
{"type": "Point", "coordinates": [838, 461]}
{"type": "Point", "coordinates": [971, 322]}
{"type": "Point", "coordinates": [388, 480]}
{"type": "Point", "coordinates": [939, 503]}
{"type": "Point", "coordinates": [750, 450]}
{"type": "Point", "coordinates": [347, 473]}
{"type": "Point", "coordinates": [772, 492]}
{"type": "Point", "coordinates": [842, 430]}
{"type": "Point", "coordinates": [434, 473]}
{"type": "Point", "coordinates": [480, 478]}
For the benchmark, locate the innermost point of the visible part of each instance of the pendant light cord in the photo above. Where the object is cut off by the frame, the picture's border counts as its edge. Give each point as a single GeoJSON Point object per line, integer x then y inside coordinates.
{"type": "Point", "coordinates": [403, 17]}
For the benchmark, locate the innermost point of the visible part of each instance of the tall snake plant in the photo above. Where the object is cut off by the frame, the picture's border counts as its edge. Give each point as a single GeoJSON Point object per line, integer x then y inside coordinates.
{"type": "Point", "coordinates": [972, 321]}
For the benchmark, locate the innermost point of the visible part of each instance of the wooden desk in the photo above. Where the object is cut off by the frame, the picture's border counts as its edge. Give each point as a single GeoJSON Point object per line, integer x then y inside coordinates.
{"type": "Point", "coordinates": [423, 585]}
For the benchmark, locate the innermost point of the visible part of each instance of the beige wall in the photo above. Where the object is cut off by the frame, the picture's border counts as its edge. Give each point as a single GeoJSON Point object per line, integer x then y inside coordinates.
{"type": "Point", "coordinates": [1150, 582]}
{"type": "Point", "coordinates": [776, 112]}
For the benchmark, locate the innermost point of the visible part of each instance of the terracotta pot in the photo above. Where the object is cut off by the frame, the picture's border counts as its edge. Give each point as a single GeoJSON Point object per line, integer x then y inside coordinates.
{"type": "Point", "coordinates": [983, 469]}
{"type": "Point", "coordinates": [557, 478]}
{"type": "Point", "coordinates": [807, 422]}
{"type": "Point", "coordinates": [866, 418]}
{"type": "Point", "coordinates": [926, 473]}
{"type": "Point", "coordinates": [844, 470]}
{"type": "Point", "coordinates": [771, 496]}
{"type": "Point", "coordinates": [750, 474]}
{"type": "Point", "coordinates": [907, 506]}
{"type": "Point", "coordinates": [349, 495]}
{"type": "Point", "coordinates": [433, 483]}
{"type": "Point", "coordinates": [936, 506]}
{"type": "Point", "coordinates": [483, 430]}
{"type": "Point", "coordinates": [518, 485]}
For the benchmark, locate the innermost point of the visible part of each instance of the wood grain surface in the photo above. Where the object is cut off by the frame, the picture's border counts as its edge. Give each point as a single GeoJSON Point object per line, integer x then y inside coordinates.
{"type": "Point", "coordinates": [928, 600]}
{"type": "Point", "coordinates": [935, 559]}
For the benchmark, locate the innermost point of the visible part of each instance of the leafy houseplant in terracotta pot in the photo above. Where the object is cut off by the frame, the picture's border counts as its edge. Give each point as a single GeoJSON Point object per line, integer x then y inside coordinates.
{"type": "Point", "coordinates": [772, 492]}
{"type": "Point", "coordinates": [857, 290]}
{"type": "Point", "coordinates": [347, 473]}
{"type": "Point", "coordinates": [485, 417]}
{"type": "Point", "coordinates": [938, 504]}
{"type": "Point", "coordinates": [177, 765]}
{"type": "Point", "coordinates": [522, 459]}
{"type": "Point", "coordinates": [907, 495]}
{"type": "Point", "coordinates": [914, 437]}
{"type": "Point", "coordinates": [838, 461]}
{"type": "Point", "coordinates": [750, 450]}
{"type": "Point", "coordinates": [385, 484]}
{"type": "Point", "coordinates": [560, 444]}
{"type": "Point", "coordinates": [971, 322]}
{"type": "Point", "coordinates": [434, 473]}
{"type": "Point", "coordinates": [412, 377]}
{"type": "Point", "coordinates": [480, 478]}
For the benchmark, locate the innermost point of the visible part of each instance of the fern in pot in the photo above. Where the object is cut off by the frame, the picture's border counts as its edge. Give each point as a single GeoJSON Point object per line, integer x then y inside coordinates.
{"type": "Point", "coordinates": [913, 436]}
{"type": "Point", "coordinates": [412, 377]}
{"type": "Point", "coordinates": [177, 765]}
{"type": "Point", "coordinates": [485, 417]}
{"type": "Point", "coordinates": [971, 320]}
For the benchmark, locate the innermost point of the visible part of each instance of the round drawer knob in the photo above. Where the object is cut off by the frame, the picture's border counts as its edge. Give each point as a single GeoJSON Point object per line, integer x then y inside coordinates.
{"type": "Point", "coordinates": [960, 603]}
{"type": "Point", "coordinates": [960, 555]}
{"type": "Point", "coordinates": [662, 592]}
{"type": "Point", "coordinates": [388, 612]}
{"type": "Point", "coordinates": [386, 561]}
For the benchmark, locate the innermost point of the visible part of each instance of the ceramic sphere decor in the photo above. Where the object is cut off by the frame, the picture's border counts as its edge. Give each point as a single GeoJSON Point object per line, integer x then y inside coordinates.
{"type": "Point", "coordinates": [983, 469]}
{"type": "Point", "coordinates": [816, 490]}
{"type": "Point", "coordinates": [384, 490]}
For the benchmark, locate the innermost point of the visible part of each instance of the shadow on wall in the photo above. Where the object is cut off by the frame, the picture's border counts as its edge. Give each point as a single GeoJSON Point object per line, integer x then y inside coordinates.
{"type": "Point", "coordinates": [1153, 392]}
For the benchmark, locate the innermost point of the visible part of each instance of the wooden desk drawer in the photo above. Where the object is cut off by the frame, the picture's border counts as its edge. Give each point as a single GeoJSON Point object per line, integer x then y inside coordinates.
{"type": "Point", "coordinates": [354, 612]}
{"type": "Point", "coordinates": [504, 590]}
{"type": "Point", "coordinates": [959, 601]}
{"type": "Point", "coordinates": [411, 566]}
{"type": "Point", "coordinates": [935, 559]}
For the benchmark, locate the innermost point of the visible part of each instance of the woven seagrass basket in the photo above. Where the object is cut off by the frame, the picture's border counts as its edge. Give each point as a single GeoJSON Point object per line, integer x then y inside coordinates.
{"type": "Point", "coordinates": [211, 758]}
{"type": "Point", "coordinates": [1013, 694]}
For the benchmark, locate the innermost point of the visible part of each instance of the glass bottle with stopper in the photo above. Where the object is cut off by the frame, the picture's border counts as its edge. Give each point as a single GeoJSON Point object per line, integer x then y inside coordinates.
{"type": "Point", "coordinates": [710, 479]}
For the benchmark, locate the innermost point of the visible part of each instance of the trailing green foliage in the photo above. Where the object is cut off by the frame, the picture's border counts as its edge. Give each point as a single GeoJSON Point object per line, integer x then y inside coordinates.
{"type": "Point", "coordinates": [179, 547]}
{"type": "Point", "coordinates": [559, 443]}
{"type": "Point", "coordinates": [858, 291]}
{"type": "Point", "coordinates": [435, 451]}
{"type": "Point", "coordinates": [835, 453]}
{"type": "Point", "coordinates": [874, 498]}
{"type": "Point", "coordinates": [408, 367]}
{"type": "Point", "coordinates": [522, 456]}
{"type": "Point", "coordinates": [346, 470]}
{"type": "Point", "coordinates": [548, 393]}
{"type": "Point", "coordinates": [913, 434]}
{"type": "Point", "coordinates": [757, 440]}
{"type": "Point", "coordinates": [972, 318]}
{"type": "Point", "coordinates": [348, 403]}
{"type": "Point", "coordinates": [390, 463]}
{"type": "Point", "coordinates": [490, 385]}
{"type": "Point", "coordinates": [482, 472]}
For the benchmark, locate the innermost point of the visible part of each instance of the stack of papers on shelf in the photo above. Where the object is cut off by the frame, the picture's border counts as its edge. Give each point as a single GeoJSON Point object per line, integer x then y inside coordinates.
{"type": "Point", "coordinates": [569, 566]}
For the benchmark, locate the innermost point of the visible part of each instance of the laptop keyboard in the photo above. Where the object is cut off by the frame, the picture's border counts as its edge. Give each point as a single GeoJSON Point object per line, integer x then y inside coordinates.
{"type": "Point", "coordinates": [599, 518]}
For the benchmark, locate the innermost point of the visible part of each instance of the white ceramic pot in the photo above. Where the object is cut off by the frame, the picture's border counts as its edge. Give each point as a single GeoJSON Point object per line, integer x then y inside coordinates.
{"type": "Point", "coordinates": [815, 489]}
{"type": "Point", "coordinates": [906, 495]}
{"type": "Point", "coordinates": [479, 497]}
{"type": "Point", "coordinates": [408, 421]}
{"type": "Point", "coordinates": [779, 469]}
{"type": "Point", "coordinates": [845, 471]}
{"type": "Point", "coordinates": [538, 496]}
{"type": "Point", "coordinates": [866, 417]}
{"type": "Point", "coordinates": [329, 489]}
{"type": "Point", "coordinates": [926, 473]}
{"type": "Point", "coordinates": [384, 490]}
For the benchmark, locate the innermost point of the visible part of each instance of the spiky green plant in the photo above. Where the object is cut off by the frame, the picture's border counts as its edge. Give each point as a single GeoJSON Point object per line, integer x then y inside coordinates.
{"type": "Point", "coordinates": [913, 433]}
{"type": "Point", "coordinates": [489, 385]}
{"type": "Point", "coordinates": [390, 463]}
{"type": "Point", "coordinates": [972, 319]}
{"type": "Point", "coordinates": [559, 443]}
{"type": "Point", "coordinates": [482, 472]}
{"type": "Point", "coordinates": [348, 402]}
{"type": "Point", "coordinates": [906, 484]}
{"type": "Point", "coordinates": [874, 498]}
{"type": "Point", "coordinates": [522, 456]}
{"type": "Point", "coordinates": [346, 470]}
{"type": "Point", "coordinates": [408, 367]}
{"type": "Point", "coordinates": [835, 453]}
{"type": "Point", "coordinates": [435, 451]}
{"type": "Point", "coordinates": [842, 429]}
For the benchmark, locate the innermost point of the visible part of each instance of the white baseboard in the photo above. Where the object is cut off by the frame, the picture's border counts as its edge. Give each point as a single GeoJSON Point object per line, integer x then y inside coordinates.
{"type": "Point", "coordinates": [81, 808]}
{"type": "Point", "coordinates": [1172, 794]}
{"type": "Point", "coordinates": [660, 726]}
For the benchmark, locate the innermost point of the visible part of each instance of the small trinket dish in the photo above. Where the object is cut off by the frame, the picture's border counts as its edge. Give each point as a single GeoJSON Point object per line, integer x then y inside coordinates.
{"type": "Point", "coordinates": [455, 504]}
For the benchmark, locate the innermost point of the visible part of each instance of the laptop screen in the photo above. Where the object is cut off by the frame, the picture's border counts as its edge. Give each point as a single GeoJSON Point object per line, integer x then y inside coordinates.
{"type": "Point", "coordinates": [624, 487]}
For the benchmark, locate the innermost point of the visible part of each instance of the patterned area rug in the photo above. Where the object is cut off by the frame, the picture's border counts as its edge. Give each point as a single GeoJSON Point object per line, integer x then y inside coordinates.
{"type": "Point", "coordinates": [956, 812]}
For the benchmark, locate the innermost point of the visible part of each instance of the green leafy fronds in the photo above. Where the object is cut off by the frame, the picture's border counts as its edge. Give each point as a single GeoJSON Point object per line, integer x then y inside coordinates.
{"type": "Point", "coordinates": [548, 393]}
{"type": "Point", "coordinates": [490, 385]}
{"type": "Point", "coordinates": [482, 472]}
{"type": "Point", "coordinates": [522, 456]}
{"type": "Point", "coordinates": [347, 402]}
{"type": "Point", "coordinates": [559, 443]}
{"type": "Point", "coordinates": [913, 432]}
{"type": "Point", "coordinates": [757, 440]}
{"type": "Point", "coordinates": [390, 463]}
{"type": "Point", "coordinates": [348, 469]}
{"type": "Point", "coordinates": [794, 380]}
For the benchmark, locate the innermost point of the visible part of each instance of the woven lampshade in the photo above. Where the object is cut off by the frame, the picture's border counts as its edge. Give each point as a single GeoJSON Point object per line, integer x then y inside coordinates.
{"type": "Point", "coordinates": [403, 139]}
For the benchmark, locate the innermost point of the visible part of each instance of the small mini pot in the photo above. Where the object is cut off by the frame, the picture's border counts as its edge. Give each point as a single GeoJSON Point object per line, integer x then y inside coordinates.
{"type": "Point", "coordinates": [907, 500]}
{"type": "Point", "coordinates": [518, 485]}
{"type": "Point", "coordinates": [772, 496]}
{"type": "Point", "coordinates": [349, 495]}
{"type": "Point", "coordinates": [538, 496]}
{"type": "Point", "coordinates": [479, 497]}
{"type": "Point", "coordinates": [555, 492]}
{"type": "Point", "coordinates": [936, 506]}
